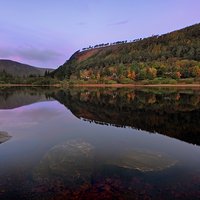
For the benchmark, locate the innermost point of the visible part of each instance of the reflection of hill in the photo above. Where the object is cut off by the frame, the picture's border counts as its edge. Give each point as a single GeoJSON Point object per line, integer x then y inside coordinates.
{"type": "Point", "coordinates": [17, 97]}
{"type": "Point", "coordinates": [175, 114]}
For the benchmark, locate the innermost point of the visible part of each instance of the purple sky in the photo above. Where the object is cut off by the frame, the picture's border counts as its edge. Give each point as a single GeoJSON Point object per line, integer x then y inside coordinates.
{"type": "Point", "coordinates": [45, 33]}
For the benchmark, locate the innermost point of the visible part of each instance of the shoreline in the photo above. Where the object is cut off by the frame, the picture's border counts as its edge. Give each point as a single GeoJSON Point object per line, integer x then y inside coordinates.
{"type": "Point", "coordinates": [138, 85]}
{"type": "Point", "coordinates": [28, 85]}
{"type": "Point", "coordinates": [195, 85]}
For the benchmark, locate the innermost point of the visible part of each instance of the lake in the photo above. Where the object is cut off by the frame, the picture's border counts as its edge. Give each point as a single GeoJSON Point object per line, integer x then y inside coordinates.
{"type": "Point", "coordinates": [99, 143]}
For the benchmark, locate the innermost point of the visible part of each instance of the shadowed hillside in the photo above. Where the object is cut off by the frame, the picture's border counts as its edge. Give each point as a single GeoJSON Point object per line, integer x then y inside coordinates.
{"type": "Point", "coordinates": [18, 69]}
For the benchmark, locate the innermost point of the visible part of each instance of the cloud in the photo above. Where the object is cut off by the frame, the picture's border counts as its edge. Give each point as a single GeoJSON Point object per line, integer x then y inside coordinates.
{"type": "Point", "coordinates": [30, 53]}
{"type": "Point", "coordinates": [81, 23]}
{"type": "Point", "coordinates": [30, 115]}
{"type": "Point", "coordinates": [5, 53]}
{"type": "Point", "coordinates": [119, 23]}
{"type": "Point", "coordinates": [43, 55]}
{"type": "Point", "coordinates": [36, 48]}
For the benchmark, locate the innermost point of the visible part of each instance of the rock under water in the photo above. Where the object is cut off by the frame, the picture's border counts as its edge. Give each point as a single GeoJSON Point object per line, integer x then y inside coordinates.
{"type": "Point", "coordinates": [71, 161]}
{"type": "Point", "coordinates": [4, 136]}
{"type": "Point", "coordinates": [143, 161]}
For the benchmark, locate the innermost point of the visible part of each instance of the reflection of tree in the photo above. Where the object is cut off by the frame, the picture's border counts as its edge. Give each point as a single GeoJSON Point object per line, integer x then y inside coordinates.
{"type": "Point", "coordinates": [172, 113]}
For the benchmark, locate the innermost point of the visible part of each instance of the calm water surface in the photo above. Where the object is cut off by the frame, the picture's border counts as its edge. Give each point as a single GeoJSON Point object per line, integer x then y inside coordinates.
{"type": "Point", "coordinates": [99, 144]}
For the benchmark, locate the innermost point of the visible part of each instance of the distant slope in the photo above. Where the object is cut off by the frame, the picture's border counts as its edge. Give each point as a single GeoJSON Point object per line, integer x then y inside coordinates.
{"type": "Point", "coordinates": [18, 69]}
{"type": "Point", "coordinates": [176, 54]}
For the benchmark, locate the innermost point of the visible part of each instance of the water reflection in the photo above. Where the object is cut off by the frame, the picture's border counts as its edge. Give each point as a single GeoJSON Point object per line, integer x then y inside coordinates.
{"type": "Point", "coordinates": [15, 97]}
{"type": "Point", "coordinates": [175, 113]}
{"type": "Point", "coordinates": [53, 155]}
{"type": "Point", "coordinates": [171, 112]}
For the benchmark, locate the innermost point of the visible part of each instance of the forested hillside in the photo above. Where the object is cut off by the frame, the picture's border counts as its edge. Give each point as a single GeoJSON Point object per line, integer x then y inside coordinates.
{"type": "Point", "coordinates": [19, 69]}
{"type": "Point", "coordinates": [175, 55]}
{"type": "Point", "coordinates": [12, 72]}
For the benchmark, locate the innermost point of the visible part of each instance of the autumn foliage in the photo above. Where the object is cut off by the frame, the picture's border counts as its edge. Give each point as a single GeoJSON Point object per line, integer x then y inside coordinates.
{"type": "Point", "coordinates": [175, 55]}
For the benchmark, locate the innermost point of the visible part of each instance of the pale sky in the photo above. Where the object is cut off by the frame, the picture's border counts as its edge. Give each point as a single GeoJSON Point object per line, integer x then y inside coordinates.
{"type": "Point", "coordinates": [46, 33]}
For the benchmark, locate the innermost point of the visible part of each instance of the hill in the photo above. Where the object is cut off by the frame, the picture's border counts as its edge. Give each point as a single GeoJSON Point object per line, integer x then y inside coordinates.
{"type": "Point", "coordinates": [174, 55]}
{"type": "Point", "coordinates": [17, 69]}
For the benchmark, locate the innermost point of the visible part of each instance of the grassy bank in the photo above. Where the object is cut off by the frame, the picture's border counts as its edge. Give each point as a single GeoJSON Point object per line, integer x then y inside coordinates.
{"type": "Point", "coordinates": [157, 82]}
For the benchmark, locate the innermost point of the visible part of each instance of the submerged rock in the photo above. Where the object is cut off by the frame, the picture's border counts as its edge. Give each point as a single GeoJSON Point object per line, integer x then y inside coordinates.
{"type": "Point", "coordinates": [4, 136]}
{"type": "Point", "coordinates": [143, 161]}
{"type": "Point", "coordinates": [71, 161]}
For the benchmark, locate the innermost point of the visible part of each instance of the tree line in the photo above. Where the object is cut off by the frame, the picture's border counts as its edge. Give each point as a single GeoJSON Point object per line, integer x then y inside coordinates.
{"type": "Point", "coordinates": [174, 55]}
